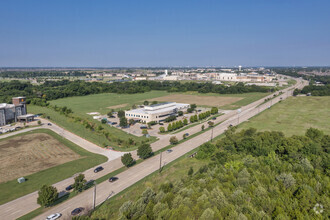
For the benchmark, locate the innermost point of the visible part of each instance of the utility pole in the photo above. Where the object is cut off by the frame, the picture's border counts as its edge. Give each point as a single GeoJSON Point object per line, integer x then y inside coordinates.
{"type": "Point", "coordinates": [94, 195]}
{"type": "Point", "coordinates": [160, 161]}
{"type": "Point", "coordinates": [212, 135]}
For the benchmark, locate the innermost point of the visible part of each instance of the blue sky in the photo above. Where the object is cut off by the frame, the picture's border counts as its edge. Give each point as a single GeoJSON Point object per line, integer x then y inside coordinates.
{"type": "Point", "coordinates": [140, 33]}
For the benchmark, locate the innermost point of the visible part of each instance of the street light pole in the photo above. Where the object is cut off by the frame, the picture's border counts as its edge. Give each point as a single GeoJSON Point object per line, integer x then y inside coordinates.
{"type": "Point", "coordinates": [94, 195]}
{"type": "Point", "coordinates": [160, 161]}
{"type": "Point", "coordinates": [212, 135]}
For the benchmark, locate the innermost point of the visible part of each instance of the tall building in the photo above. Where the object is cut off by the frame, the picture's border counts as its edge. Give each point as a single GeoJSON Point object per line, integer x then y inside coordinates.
{"type": "Point", "coordinates": [10, 112]}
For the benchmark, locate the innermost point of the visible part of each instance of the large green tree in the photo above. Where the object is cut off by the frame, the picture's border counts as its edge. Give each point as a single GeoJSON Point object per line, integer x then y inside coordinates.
{"type": "Point", "coordinates": [144, 151]}
{"type": "Point", "coordinates": [127, 159]}
{"type": "Point", "coordinates": [47, 195]}
{"type": "Point", "coordinates": [79, 182]}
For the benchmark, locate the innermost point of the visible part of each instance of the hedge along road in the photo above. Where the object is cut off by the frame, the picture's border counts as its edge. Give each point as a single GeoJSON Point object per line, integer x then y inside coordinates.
{"type": "Point", "coordinates": [26, 204]}
{"type": "Point", "coordinates": [127, 178]}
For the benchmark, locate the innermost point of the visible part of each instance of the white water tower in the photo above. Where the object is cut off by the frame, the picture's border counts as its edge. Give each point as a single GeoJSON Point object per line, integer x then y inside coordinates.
{"type": "Point", "coordinates": [165, 72]}
{"type": "Point", "coordinates": [240, 68]}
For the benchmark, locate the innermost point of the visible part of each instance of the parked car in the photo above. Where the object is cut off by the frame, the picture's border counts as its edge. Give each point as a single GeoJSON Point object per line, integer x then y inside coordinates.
{"type": "Point", "coordinates": [68, 188]}
{"type": "Point", "coordinates": [112, 116]}
{"type": "Point", "coordinates": [54, 216]}
{"type": "Point", "coordinates": [113, 179]}
{"type": "Point", "coordinates": [98, 169]}
{"type": "Point", "coordinates": [77, 211]}
{"type": "Point", "coordinates": [143, 127]}
{"type": "Point", "coordinates": [160, 123]}
{"type": "Point", "coordinates": [186, 134]}
{"type": "Point", "coordinates": [49, 124]}
{"type": "Point", "coordinates": [169, 151]}
{"type": "Point", "coordinates": [214, 118]}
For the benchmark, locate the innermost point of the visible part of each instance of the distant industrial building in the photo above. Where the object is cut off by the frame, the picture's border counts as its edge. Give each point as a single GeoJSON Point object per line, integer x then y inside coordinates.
{"type": "Point", "coordinates": [157, 112]}
{"type": "Point", "coordinates": [10, 113]}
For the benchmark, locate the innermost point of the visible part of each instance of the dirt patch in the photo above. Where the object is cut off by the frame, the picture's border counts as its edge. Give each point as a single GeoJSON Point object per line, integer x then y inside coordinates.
{"type": "Point", "coordinates": [24, 155]}
{"type": "Point", "coordinates": [118, 106]}
{"type": "Point", "coordinates": [198, 99]}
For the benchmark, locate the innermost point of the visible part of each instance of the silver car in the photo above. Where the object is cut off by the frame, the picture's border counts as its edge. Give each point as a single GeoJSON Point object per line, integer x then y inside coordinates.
{"type": "Point", "coordinates": [54, 216]}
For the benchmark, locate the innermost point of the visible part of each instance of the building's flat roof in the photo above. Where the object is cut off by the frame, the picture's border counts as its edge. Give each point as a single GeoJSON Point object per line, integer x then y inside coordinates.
{"type": "Point", "coordinates": [145, 111]}
{"type": "Point", "coordinates": [160, 104]}
{"type": "Point", "coordinates": [26, 116]}
{"type": "Point", "coordinates": [5, 105]}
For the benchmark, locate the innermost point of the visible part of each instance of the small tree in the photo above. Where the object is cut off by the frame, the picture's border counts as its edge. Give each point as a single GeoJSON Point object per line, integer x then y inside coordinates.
{"type": "Point", "coordinates": [39, 122]}
{"type": "Point", "coordinates": [127, 159]}
{"type": "Point", "coordinates": [47, 195]}
{"type": "Point", "coordinates": [180, 113]}
{"type": "Point", "coordinates": [174, 140]}
{"type": "Point", "coordinates": [169, 127]}
{"type": "Point", "coordinates": [185, 121]}
{"type": "Point", "coordinates": [145, 102]}
{"type": "Point", "coordinates": [144, 131]}
{"type": "Point", "coordinates": [133, 106]}
{"type": "Point", "coordinates": [154, 102]}
{"type": "Point", "coordinates": [123, 122]}
{"type": "Point", "coordinates": [211, 123]}
{"type": "Point", "coordinates": [131, 121]}
{"type": "Point", "coordinates": [161, 129]}
{"type": "Point", "coordinates": [203, 127]}
{"type": "Point", "coordinates": [121, 113]}
{"type": "Point", "coordinates": [184, 136]}
{"type": "Point", "coordinates": [103, 121]}
{"type": "Point", "coordinates": [79, 182]}
{"type": "Point", "coordinates": [109, 114]}
{"type": "Point", "coordinates": [144, 151]}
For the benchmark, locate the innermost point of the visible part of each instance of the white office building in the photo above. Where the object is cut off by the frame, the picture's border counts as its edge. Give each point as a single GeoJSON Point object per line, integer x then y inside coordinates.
{"type": "Point", "coordinates": [157, 112]}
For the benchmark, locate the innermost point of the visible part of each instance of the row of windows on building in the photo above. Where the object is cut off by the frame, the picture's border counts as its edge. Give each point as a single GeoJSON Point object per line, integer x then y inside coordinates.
{"type": "Point", "coordinates": [138, 116]}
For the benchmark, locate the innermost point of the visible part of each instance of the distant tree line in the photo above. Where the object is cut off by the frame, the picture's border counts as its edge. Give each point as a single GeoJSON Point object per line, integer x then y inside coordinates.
{"type": "Point", "coordinates": [34, 74]}
{"type": "Point", "coordinates": [52, 90]}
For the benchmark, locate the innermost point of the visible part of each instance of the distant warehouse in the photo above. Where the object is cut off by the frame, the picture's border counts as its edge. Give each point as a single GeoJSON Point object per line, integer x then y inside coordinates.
{"type": "Point", "coordinates": [157, 112]}
{"type": "Point", "coordinates": [14, 112]}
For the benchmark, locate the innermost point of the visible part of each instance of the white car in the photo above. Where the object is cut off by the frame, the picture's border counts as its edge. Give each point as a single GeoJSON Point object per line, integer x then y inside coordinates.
{"type": "Point", "coordinates": [54, 216]}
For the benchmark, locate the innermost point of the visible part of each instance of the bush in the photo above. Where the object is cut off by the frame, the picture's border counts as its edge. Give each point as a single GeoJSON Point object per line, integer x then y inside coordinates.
{"type": "Point", "coordinates": [127, 159]}
{"type": "Point", "coordinates": [161, 129]}
{"type": "Point", "coordinates": [103, 121]}
{"type": "Point", "coordinates": [47, 195]}
{"type": "Point", "coordinates": [174, 140]}
{"type": "Point", "coordinates": [170, 118]}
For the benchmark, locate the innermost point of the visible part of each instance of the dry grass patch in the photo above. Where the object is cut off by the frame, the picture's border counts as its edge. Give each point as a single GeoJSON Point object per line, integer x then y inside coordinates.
{"type": "Point", "coordinates": [27, 154]}
{"type": "Point", "coordinates": [216, 101]}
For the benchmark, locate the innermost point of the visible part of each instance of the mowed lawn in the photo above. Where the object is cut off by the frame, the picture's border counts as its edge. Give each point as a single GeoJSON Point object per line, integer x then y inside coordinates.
{"type": "Point", "coordinates": [103, 102]}
{"type": "Point", "coordinates": [11, 190]}
{"type": "Point", "coordinates": [238, 100]}
{"type": "Point", "coordinates": [294, 116]}
{"type": "Point", "coordinates": [78, 129]}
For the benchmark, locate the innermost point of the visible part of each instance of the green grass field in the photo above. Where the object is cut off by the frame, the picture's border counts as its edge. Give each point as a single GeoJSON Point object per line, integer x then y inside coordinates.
{"type": "Point", "coordinates": [247, 98]}
{"type": "Point", "coordinates": [12, 189]}
{"type": "Point", "coordinates": [100, 102]}
{"type": "Point", "coordinates": [294, 116]}
{"type": "Point", "coordinates": [80, 130]}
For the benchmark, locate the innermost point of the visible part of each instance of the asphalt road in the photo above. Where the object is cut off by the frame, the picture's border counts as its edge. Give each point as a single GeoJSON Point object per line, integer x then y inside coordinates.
{"type": "Point", "coordinates": [26, 204]}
